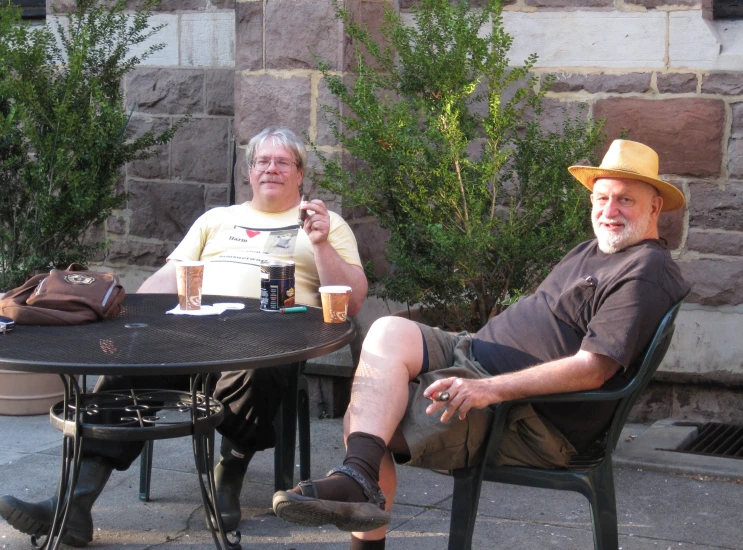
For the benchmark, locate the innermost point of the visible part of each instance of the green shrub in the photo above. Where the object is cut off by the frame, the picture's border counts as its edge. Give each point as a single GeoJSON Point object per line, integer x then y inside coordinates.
{"type": "Point", "coordinates": [63, 124]}
{"type": "Point", "coordinates": [477, 200]}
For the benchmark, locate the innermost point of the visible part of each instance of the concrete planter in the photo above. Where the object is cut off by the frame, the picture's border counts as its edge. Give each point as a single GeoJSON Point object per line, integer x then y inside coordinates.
{"type": "Point", "coordinates": [27, 393]}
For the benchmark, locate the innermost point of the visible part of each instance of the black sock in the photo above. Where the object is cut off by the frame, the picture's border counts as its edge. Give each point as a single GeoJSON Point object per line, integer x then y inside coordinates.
{"type": "Point", "coordinates": [358, 544]}
{"type": "Point", "coordinates": [364, 454]}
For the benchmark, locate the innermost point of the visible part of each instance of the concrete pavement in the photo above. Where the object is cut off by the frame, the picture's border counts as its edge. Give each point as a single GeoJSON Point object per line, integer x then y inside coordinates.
{"type": "Point", "coordinates": [699, 508]}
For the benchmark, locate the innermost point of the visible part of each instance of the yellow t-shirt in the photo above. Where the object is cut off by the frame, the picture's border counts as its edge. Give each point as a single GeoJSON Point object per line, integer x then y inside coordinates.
{"type": "Point", "coordinates": [233, 240]}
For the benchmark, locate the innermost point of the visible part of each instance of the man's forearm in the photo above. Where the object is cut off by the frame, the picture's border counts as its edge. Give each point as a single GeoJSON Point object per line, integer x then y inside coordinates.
{"type": "Point", "coordinates": [162, 281]}
{"type": "Point", "coordinates": [334, 270]}
{"type": "Point", "coordinates": [580, 372]}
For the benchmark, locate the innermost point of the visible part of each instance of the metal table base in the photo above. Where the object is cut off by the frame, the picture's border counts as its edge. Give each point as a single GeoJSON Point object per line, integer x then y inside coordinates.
{"type": "Point", "coordinates": [137, 415]}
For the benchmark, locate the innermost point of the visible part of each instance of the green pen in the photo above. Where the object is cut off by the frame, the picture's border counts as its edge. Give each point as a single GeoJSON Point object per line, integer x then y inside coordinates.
{"type": "Point", "coordinates": [297, 309]}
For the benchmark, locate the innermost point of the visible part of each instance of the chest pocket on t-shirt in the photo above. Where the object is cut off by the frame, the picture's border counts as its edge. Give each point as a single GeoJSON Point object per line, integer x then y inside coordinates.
{"type": "Point", "coordinates": [573, 305]}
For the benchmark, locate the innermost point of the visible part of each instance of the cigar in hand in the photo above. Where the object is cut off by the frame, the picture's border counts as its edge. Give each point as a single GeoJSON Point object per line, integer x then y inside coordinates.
{"type": "Point", "coordinates": [441, 396]}
{"type": "Point", "coordinates": [302, 213]}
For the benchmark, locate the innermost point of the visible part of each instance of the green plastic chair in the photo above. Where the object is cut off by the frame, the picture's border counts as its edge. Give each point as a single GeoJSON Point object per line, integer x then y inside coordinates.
{"type": "Point", "coordinates": [590, 474]}
{"type": "Point", "coordinates": [294, 410]}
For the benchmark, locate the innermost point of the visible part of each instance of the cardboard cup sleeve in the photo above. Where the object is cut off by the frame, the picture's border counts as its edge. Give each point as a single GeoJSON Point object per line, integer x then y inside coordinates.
{"type": "Point", "coordinates": [335, 303]}
{"type": "Point", "coordinates": [190, 277]}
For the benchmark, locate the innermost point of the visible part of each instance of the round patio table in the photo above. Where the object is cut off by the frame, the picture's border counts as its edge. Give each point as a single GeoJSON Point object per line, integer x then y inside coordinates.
{"type": "Point", "coordinates": [143, 340]}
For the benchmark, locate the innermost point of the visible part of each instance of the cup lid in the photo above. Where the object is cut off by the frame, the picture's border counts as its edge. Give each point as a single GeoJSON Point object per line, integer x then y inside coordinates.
{"type": "Point", "coordinates": [337, 289]}
{"type": "Point", "coordinates": [189, 263]}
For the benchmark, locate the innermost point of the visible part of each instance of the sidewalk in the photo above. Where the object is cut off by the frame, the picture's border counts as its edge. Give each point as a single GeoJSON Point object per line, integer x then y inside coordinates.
{"type": "Point", "coordinates": [657, 510]}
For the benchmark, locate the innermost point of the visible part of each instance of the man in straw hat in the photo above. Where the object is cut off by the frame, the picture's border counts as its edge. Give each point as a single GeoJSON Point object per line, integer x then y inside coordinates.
{"type": "Point", "coordinates": [583, 328]}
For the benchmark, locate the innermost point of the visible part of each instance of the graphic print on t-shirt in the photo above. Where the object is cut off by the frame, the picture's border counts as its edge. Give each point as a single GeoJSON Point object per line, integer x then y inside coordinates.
{"type": "Point", "coordinates": [250, 245]}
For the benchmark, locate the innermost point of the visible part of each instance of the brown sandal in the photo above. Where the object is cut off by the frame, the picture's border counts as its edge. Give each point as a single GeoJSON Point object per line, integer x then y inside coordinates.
{"type": "Point", "coordinates": [306, 509]}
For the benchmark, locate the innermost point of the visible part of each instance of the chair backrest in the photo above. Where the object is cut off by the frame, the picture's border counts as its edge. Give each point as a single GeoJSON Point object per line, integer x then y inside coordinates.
{"type": "Point", "coordinates": [652, 358]}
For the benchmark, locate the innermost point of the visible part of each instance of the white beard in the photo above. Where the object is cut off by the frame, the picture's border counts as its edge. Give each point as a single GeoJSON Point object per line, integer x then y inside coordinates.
{"type": "Point", "coordinates": [632, 233]}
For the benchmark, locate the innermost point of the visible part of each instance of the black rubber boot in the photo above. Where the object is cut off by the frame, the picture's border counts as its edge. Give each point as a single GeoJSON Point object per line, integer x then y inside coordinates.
{"type": "Point", "coordinates": [35, 518]}
{"type": "Point", "coordinates": [229, 474]}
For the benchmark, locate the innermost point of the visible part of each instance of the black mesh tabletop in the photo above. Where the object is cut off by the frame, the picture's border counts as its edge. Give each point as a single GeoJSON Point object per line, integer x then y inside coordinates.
{"type": "Point", "coordinates": [143, 340]}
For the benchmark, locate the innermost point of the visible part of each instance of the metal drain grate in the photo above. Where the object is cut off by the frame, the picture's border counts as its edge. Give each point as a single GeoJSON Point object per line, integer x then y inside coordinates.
{"type": "Point", "coordinates": [716, 439]}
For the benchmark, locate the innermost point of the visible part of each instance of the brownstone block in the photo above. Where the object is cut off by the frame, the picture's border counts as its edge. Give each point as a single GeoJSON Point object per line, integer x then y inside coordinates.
{"type": "Point", "coordinates": [481, 107]}
{"type": "Point", "coordinates": [722, 83]}
{"type": "Point", "coordinates": [94, 233]}
{"type": "Point", "coordinates": [164, 211]}
{"type": "Point", "coordinates": [217, 195]}
{"type": "Point", "coordinates": [725, 244]}
{"type": "Point", "coordinates": [325, 98]}
{"type": "Point", "coordinates": [713, 208]}
{"type": "Point", "coordinates": [618, 83]}
{"type": "Point", "coordinates": [170, 5]}
{"type": "Point", "coordinates": [714, 282]}
{"type": "Point", "coordinates": [735, 158]}
{"type": "Point", "coordinates": [554, 113]}
{"type": "Point", "coordinates": [121, 182]}
{"type": "Point", "coordinates": [116, 225]}
{"type": "Point", "coordinates": [220, 92]}
{"type": "Point", "coordinates": [249, 36]}
{"type": "Point", "coordinates": [650, 4]}
{"type": "Point", "coordinates": [201, 151]}
{"type": "Point", "coordinates": [243, 191]}
{"type": "Point", "coordinates": [686, 133]}
{"type": "Point", "coordinates": [737, 128]}
{"type": "Point", "coordinates": [370, 15]}
{"type": "Point", "coordinates": [166, 91]}
{"type": "Point", "coordinates": [61, 6]}
{"type": "Point", "coordinates": [475, 4]}
{"type": "Point", "coordinates": [264, 101]}
{"type": "Point", "coordinates": [298, 29]}
{"type": "Point", "coordinates": [372, 241]}
{"type": "Point", "coordinates": [677, 83]}
{"type": "Point", "coordinates": [552, 4]}
{"type": "Point", "coordinates": [158, 165]}
{"type": "Point", "coordinates": [671, 227]}
{"type": "Point", "coordinates": [138, 253]}
{"type": "Point", "coordinates": [223, 4]}
{"type": "Point", "coordinates": [567, 82]}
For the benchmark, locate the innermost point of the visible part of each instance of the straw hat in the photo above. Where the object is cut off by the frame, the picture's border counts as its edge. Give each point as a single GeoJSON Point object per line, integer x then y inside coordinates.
{"type": "Point", "coordinates": [629, 159]}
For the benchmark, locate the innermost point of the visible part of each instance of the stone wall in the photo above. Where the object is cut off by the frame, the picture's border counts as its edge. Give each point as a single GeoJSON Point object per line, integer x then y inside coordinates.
{"type": "Point", "coordinates": [193, 74]}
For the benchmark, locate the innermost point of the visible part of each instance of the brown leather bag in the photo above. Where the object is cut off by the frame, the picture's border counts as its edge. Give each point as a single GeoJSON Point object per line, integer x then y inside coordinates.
{"type": "Point", "coordinates": [71, 297]}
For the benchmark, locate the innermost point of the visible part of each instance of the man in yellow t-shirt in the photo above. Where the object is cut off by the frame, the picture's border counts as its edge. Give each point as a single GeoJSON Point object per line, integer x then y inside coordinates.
{"type": "Point", "coordinates": [232, 241]}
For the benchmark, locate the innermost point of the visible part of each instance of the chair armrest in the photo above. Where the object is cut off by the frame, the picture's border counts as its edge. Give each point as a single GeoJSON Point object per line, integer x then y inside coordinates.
{"type": "Point", "coordinates": [589, 395]}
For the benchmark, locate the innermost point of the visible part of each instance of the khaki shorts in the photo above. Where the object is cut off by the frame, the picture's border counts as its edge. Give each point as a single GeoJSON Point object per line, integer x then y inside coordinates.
{"type": "Point", "coordinates": [528, 440]}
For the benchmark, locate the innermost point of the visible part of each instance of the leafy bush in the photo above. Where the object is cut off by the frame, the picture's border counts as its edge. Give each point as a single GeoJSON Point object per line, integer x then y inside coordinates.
{"type": "Point", "coordinates": [63, 124]}
{"type": "Point", "coordinates": [477, 199]}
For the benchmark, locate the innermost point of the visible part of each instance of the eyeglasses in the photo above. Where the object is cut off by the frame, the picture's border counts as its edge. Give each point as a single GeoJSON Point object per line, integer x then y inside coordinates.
{"type": "Point", "coordinates": [261, 164]}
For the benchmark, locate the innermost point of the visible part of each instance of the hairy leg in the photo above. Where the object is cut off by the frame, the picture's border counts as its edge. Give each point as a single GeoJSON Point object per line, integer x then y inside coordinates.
{"type": "Point", "coordinates": [391, 357]}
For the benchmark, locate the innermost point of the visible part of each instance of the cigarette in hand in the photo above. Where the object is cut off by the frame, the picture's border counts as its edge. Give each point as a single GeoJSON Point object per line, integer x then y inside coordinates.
{"type": "Point", "coordinates": [441, 396]}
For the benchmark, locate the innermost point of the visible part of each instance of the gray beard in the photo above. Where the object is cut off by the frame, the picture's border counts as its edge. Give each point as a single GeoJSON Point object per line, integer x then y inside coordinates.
{"type": "Point", "coordinates": [633, 233]}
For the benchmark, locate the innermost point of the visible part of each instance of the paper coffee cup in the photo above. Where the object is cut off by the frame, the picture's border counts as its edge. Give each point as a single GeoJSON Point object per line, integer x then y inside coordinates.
{"type": "Point", "coordinates": [190, 277]}
{"type": "Point", "coordinates": [335, 303]}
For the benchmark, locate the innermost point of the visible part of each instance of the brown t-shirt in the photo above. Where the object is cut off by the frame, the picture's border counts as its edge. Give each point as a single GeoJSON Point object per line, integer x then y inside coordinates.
{"type": "Point", "coordinates": [609, 304]}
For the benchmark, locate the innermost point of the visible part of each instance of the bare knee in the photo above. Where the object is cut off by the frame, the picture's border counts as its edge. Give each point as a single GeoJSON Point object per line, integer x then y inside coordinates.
{"type": "Point", "coordinates": [386, 328]}
{"type": "Point", "coordinates": [395, 339]}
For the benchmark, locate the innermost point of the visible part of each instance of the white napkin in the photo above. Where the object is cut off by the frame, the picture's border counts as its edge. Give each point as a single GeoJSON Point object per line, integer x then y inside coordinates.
{"type": "Point", "coordinates": [214, 309]}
